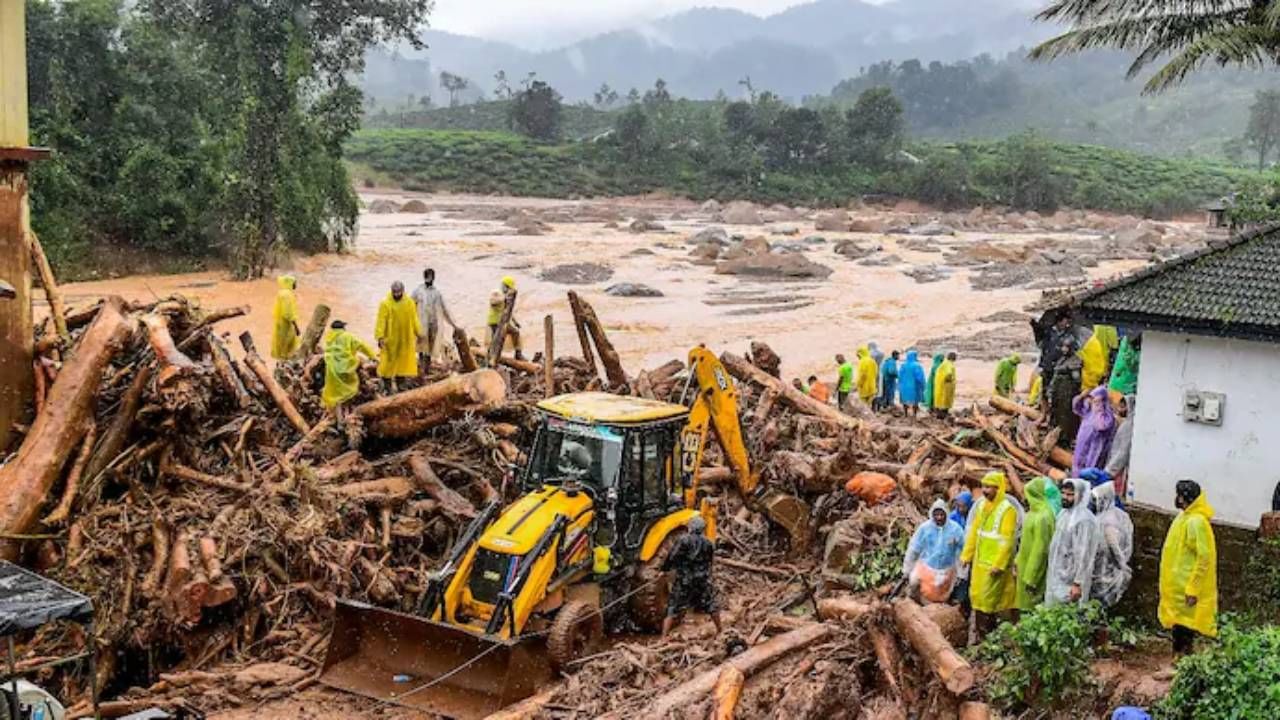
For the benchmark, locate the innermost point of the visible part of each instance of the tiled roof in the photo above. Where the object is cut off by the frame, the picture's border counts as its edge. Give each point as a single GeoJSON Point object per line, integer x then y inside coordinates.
{"type": "Point", "coordinates": [1230, 289]}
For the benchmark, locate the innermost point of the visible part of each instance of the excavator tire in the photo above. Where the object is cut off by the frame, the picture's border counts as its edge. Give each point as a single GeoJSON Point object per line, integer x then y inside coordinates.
{"type": "Point", "coordinates": [649, 603]}
{"type": "Point", "coordinates": [576, 630]}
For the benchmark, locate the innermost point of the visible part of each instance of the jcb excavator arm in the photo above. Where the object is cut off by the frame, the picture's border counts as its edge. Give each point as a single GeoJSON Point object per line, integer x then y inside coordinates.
{"type": "Point", "coordinates": [715, 408]}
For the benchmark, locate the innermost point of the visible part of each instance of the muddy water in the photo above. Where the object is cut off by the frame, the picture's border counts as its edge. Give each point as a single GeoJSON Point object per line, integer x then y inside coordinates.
{"type": "Point", "coordinates": [855, 304]}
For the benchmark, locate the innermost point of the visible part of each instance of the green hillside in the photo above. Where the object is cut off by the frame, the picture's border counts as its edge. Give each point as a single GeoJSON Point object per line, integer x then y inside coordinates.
{"type": "Point", "coordinates": [578, 122]}
{"type": "Point", "coordinates": [967, 173]}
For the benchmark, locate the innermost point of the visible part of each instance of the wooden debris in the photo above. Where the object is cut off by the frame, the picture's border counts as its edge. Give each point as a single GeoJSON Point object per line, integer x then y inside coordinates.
{"type": "Point", "coordinates": [315, 330]}
{"type": "Point", "coordinates": [281, 398]}
{"type": "Point", "coordinates": [413, 412]}
{"type": "Point", "coordinates": [927, 639]}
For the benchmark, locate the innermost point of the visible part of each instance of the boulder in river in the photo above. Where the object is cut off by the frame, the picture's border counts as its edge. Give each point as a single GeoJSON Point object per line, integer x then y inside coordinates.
{"type": "Point", "coordinates": [414, 206]}
{"type": "Point", "coordinates": [788, 265]}
{"type": "Point", "coordinates": [741, 213]}
{"type": "Point", "coordinates": [632, 290]}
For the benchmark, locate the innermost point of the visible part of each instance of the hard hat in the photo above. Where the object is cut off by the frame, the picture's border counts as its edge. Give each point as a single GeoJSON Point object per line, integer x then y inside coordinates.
{"type": "Point", "coordinates": [509, 282]}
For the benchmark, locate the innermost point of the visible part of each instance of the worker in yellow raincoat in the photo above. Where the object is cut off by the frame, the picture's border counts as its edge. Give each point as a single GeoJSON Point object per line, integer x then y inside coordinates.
{"type": "Point", "coordinates": [341, 367]}
{"type": "Point", "coordinates": [944, 387]}
{"type": "Point", "coordinates": [990, 540]}
{"type": "Point", "coordinates": [1189, 570]}
{"type": "Point", "coordinates": [397, 333]}
{"type": "Point", "coordinates": [284, 326]}
{"type": "Point", "coordinates": [497, 306]}
{"type": "Point", "coordinates": [1096, 356]}
{"type": "Point", "coordinates": [868, 373]}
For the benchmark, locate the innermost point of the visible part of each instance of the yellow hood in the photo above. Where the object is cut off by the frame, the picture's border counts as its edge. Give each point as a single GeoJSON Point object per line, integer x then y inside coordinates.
{"type": "Point", "coordinates": [520, 527]}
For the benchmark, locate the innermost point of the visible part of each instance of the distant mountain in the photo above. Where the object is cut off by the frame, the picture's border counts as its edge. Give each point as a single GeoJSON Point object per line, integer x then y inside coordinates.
{"type": "Point", "coordinates": [802, 50]}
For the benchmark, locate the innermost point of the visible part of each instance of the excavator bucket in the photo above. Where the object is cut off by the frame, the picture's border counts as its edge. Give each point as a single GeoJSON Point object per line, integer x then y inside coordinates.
{"type": "Point", "coordinates": [789, 513]}
{"type": "Point", "coordinates": [427, 665]}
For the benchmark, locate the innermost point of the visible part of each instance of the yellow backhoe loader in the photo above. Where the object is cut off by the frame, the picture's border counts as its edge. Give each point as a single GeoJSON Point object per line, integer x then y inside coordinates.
{"type": "Point", "coordinates": [610, 484]}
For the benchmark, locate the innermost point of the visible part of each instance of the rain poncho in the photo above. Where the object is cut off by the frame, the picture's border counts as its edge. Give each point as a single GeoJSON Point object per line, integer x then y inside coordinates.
{"type": "Point", "coordinates": [1124, 376]}
{"type": "Point", "coordinates": [341, 366]}
{"type": "Point", "coordinates": [1053, 496]}
{"type": "Point", "coordinates": [888, 381]}
{"type": "Point", "coordinates": [1097, 427]}
{"type": "Point", "coordinates": [932, 555]}
{"type": "Point", "coordinates": [1037, 389]}
{"type": "Point", "coordinates": [398, 332]}
{"type": "Point", "coordinates": [1111, 571]}
{"type": "Point", "coordinates": [1007, 375]}
{"type": "Point", "coordinates": [931, 384]}
{"type": "Point", "coordinates": [944, 386]}
{"type": "Point", "coordinates": [1033, 548]}
{"type": "Point", "coordinates": [1063, 388]}
{"type": "Point", "coordinates": [867, 370]}
{"type": "Point", "coordinates": [989, 544]}
{"type": "Point", "coordinates": [1122, 443]}
{"type": "Point", "coordinates": [1073, 550]}
{"type": "Point", "coordinates": [1189, 567]}
{"type": "Point", "coordinates": [964, 503]}
{"type": "Point", "coordinates": [911, 380]}
{"type": "Point", "coordinates": [284, 319]}
{"type": "Point", "coordinates": [430, 305]}
{"type": "Point", "coordinates": [876, 354]}
{"type": "Point", "coordinates": [1095, 354]}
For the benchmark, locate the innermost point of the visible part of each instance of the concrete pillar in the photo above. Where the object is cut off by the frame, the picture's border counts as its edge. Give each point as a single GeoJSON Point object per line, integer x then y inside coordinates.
{"type": "Point", "coordinates": [15, 259]}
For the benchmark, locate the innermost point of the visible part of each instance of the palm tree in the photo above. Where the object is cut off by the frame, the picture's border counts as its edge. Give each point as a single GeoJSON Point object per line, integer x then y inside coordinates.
{"type": "Point", "coordinates": [1178, 35]}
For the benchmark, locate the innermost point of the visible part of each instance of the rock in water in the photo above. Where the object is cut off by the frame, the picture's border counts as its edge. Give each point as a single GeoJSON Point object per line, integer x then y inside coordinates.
{"type": "Point", "coordinates": [742, 213]}
{"type": "Point", "coordinates": [414, 206]}
{"type": "Point", "coordinates": [715, 235]}
{"type": "Point", "coordinates": [933, 229]}
{"type": "Point", "coordinates": [643, 226]}
{"type": "Point", "coordinates": [789, 265]}
{"type": "Point", "coordinates": [837, 221]}
{"type": "Point", "coordinates": [577, 273]}
{"type": "Point", "coordinates": [632, 290]}
{"type": "Point", "coordinates": [855, 250]}
{"type": "Point", "coordinates": [383, 206]}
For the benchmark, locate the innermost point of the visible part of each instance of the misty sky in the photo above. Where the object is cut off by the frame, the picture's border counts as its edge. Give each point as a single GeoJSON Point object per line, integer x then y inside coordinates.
{"type": "Point", "coordinates": [538, 24]}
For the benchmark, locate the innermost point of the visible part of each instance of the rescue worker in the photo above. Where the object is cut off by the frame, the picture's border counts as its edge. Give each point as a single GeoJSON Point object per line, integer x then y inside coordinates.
{"type": "Point", "coordinates": [844, 383]}
{"type": "Point", "coordinates": [497, 305]}
{"type": "Point", "coordinates": [1036, 391]}
{"type": "Point", "coordinates": [931, 383]}
{"type": "Point", "coordinates": [988, 551]}
{"type": "Point", "coordinates": [397, 332]}
{"type": "Point", "coordinates": [889, 372]}
{"type": "Point", "coordinates": [1074, 548]}
{"type": "Point", "coordinates": [1111, 570]}
{"type": "Point", "coordinates": [1097, 428]}
{"type": "Point", "coordinates": [341, 368]}
{"type": "Point", "coordinates": [284, 326]}
{"type": "Point", "coordinates": [1063, 388]}
{"type": "Point", "coordinates": [933, 555]}
{"type": "Point", "coordinates": [430, 305]}
{"type": "Point", "coordinates": [1096, 356]}
{"type": "Point", "coordinates": [1122, 447]}
{"type": "Point", "coordinates": [1124, 376]}
{"type": "Point", "coordinates": [867, 372]}
{"type": "Point", "coordinates": [1007, 375]}
{"type": "Point", "coordinates": [1189, 570]}
{"type": "Point", "coordinates": [691, 558]}
{"type": "Point", "coordinates": [944, 387]}
{"type": "Point", "coordinates": [819, 390]}
{"type": "Point", "coordinates": [1051, 347]}
{"type": "Point", "coordinates": [1032, 562]}
{"type": "Point", "coordinates": [911, 383]}
{"type": "Point", "coordinates": [960, 506]}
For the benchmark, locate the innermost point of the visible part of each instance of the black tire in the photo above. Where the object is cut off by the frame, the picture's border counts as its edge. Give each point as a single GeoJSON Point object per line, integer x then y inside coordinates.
{"type": "Point", "coordinates": [576, 630]}
{"type": "Point", "coordinates": [653, 587]}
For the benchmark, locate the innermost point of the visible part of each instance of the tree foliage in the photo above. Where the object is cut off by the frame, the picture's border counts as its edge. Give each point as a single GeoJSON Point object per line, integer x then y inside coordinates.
{"type": "Point", "coordinates": [1263, 132]}
{"type": "Point", "coordinates": [1237, 677]}
{"type": "Point", "coordinates": [875, 127]}
{"type": "Point", "coordinates": [537, 112]}
{"type": "Point", "coordinates": [198, 125]}
{"type": "Point", "coordinates": [1044, 658]}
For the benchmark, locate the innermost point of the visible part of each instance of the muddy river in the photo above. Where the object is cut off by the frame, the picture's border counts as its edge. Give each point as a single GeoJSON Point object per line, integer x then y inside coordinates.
{"type": "Point", "coordinates": [466, 241]}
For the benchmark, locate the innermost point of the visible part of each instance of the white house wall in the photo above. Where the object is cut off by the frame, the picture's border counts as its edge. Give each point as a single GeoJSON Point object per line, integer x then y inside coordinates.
{"type": "Point", "coordinates": [1237, 464]}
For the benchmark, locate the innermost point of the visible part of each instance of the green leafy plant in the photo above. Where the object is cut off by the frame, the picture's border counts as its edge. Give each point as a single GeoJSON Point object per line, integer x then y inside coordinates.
{"type": "Point", "coordinates": [1044, 658]}
{"type": "Point", "coordinates": [1237, 677]}
{"type": "Point", "coordinates": [868, 570]}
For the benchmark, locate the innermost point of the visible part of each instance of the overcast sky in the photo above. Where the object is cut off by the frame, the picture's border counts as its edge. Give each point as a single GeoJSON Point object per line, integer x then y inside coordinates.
{"type": "Point", "coordinates": [546, 23]}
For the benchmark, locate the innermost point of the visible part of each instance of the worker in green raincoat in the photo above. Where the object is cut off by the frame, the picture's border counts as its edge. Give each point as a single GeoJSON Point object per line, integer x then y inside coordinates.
{"type": "Point", "coordinates": [341, 367]}
{"type": "Point", "coordinates": [1007, 375]}
{"type": "Point", "coordinates": [1124, 376]}
{"type": "Point", "coordinates": [1033, 550]}
{"type": "Point", "coordinates": [284, 319]}
{"type": "Point", "coordinates": [933, 374]}
{"type": "Point", "coordinates": [988, 549]}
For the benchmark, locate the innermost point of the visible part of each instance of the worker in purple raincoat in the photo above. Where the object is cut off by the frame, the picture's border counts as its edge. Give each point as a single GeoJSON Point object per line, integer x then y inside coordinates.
{"type": "Point", "coordinates": [1097, 428]}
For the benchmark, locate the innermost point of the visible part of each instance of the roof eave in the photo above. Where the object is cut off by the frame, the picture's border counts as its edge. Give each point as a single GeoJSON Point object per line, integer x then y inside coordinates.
{"type": "Point", "coordinates": [1182, 326]}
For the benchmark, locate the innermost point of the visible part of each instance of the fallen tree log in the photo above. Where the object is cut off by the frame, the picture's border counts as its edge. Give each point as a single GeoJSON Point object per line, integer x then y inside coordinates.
{"type": "Point", "coordinates": [1061, 457]}
{"type": "Point", "coordinates": [528, 708]}
{"type": "Point", "coordinates": [975, 711]}
{"type": "Point", "coordinates": [548, 357]}
{"type": "Point", "coordinates": [888, 657]}
{"type": "Point", "coordinates": [1009, 407]}
{"type": "Point", "coordinates": [463, 345]}
{"type": "Point", "coordinates": [953, 624]}
{"type": "Point", "coordinates": [451, 502]}
{"type": "Point", "coordinates": [749, 662]}
{"type": "Point", "coordinates": [225, 366]}
{"type": "Point", "coordinates": [746, 372]}
{"type": "Point", "coordinates": [60, 513]}
{"type": "Point", "coordinates": [726, 692]}
{"type": "Point", "coordinates": [926, 637]}
{"type": "Point", "coordinates": [281, 398]}
{"type": "Point", "coordinates": [584, 339]}
{"type": "Point", "coordinates": [524, 366]}
{"type": "Point", "coordinates": [311, 336]}
{"type": "Point", "coordinates": [613, 371]}
{"type": "Point", "coordinates": [499, 339]}
{"type": "Point", "coordinates": [26, 480]}
{"type": "Point", "coordinates": [57, 309]}
{"type": "Point", "coordinates": [844, 609]}
{"type": "Point", "coordinates": [415, 411]}
{"type": "Point", "coordinates": [383, 492]}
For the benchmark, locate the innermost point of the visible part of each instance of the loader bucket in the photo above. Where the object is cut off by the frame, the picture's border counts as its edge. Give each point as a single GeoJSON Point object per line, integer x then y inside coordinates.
{"type": "Point", "coordinates": [427, 665]}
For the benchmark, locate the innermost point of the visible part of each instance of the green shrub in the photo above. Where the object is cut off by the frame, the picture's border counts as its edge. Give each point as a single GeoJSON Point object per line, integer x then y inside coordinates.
{"type": "Point", "coordinates": [1044, 658]}
{"type": "Point", "coordinates": [1238, 677]}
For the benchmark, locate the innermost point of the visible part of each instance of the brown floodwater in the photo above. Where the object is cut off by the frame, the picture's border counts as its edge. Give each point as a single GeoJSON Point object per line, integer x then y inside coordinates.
{"type": "Point", "coordinates": [813, 320]}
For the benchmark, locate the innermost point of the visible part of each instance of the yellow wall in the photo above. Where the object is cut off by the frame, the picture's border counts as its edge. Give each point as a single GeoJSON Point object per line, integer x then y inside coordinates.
{"type": "Point", "coordinates": [13, 74]}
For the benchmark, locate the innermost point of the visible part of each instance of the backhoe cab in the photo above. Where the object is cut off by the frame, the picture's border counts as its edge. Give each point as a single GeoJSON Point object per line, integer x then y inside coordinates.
{"type": "Point", "coordinates": [610, 484]}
